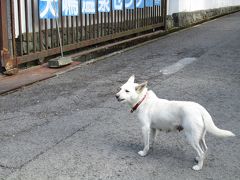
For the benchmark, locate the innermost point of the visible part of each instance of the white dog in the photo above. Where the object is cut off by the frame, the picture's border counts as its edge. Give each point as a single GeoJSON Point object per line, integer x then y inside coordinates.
{"type": "Point", "coordinates": [161, 114]}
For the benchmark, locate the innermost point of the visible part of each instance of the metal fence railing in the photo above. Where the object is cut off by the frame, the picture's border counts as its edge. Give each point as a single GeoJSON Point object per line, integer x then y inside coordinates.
{"type": "Point", "coordinates": [30, 37]}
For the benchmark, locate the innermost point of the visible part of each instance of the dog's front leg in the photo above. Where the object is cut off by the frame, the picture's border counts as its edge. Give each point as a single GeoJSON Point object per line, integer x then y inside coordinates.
{"type": "Point", "coordinates": [146, 137]}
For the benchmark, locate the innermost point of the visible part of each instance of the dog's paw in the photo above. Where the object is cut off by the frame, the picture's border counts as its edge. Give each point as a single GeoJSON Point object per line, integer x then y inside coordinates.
{"type": "Point", "coordinates": [142, 153]}
{"type": "Point", "coordinates": [196, 168]}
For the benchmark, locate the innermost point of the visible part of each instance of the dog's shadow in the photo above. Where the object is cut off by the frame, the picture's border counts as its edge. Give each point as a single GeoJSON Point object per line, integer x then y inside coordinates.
{"type": "Point", "coordinates": [171, 155]}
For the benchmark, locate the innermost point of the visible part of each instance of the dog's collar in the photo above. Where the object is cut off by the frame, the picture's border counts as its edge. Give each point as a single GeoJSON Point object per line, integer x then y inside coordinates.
{"type": "Point", "coordinates": [134, 108]}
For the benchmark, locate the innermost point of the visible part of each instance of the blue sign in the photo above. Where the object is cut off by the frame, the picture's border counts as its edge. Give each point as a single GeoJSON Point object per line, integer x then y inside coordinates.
{"type": "Point", "coordinates": [149, 3]}
{"type": "Point", "coordinates": [139, 3]}
{"type": "Point", "coordinates": [157, 2]}
{"type": "Point", "coordinates": [117, 4]}
{"type": "Point", "coordinates": [48, 9]}
{"type": "Point", "coordinates": [88, 6]}
{"type": "Point", "coordinates": [103, 5]}
{"type": "Point", "coordinates": [70, 7]}
{"type": "Point", "coordinates": [129, 4]}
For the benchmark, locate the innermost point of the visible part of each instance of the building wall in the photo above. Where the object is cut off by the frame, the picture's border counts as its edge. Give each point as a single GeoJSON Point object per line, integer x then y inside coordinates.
{"type": "Point", "coordinates": [175, 6]}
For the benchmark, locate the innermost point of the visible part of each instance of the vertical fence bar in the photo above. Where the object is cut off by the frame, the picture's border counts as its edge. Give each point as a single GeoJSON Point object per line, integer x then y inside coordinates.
{"type": "Point", "coordinates": [152, 8]}
{"type": "Point", "coordinates": [12, 21]}
{"type": "Point", "coordinates": [149, 15]}
{"type": "Point", "coordinates": [105, 23]}
{"type": "Point", "coordinates": [33, 26]}
{"type": "Point", "coordinates": [13, 29]}
{"type": "Point", "coordinates": [118, 20]}
{"type": "Point", "coordinates": [148, 12]}
{"type": "Point", "coordinates": [81, 22]}
{"type": "Point", "coordinates": [129, 19]}
{"type": "Point", "coordinates": [156, 14]}
{"type": "Point", "coordinates": [62, 26]}
{"type": "Point", "coordinates": [90, 25]}
{"type": "Point", "coordinates": [164, 14]}
{"type": "Point", "coordinates": [108, 14]}
{"type": "Point", "coordinates": [94, 31]}
{"type": "Point", "coordinates": [97, 20]}
{"type": "Point", "coordinates": [85, 24]}
{"type": "Point", "coordinates": [111, 10]}
{"type": "Point", "coordinates": [126, 19]}
{"type": "Point", "coordinates": [101, 22]}
{"type": "Point", "coordinates": [133, 18]}
{"type": "Point", "coordinates": [67, 33]}
{"type": "Point", "coordinates": [122, 14]}
{"type": "Point", "coordinates": [138, 17]}
{"type": "Point", "coordinates": [3, 28]}
{"type": "Point", "coordinates": [77, 28]}
{"type": "Point", "coordinates": [115, 21]}
{"type": "Point", "coordinates": [72, 29]}
{"type": "Point", "coordinates": [162, 4]}
{"type": "Point", "coordinates": [46, 34]}
{"type": "Point", "coordinates": [20, 27]}
{"type": "Point", "coordinates": [142, 16]}
{"type": "Point", "coordinates": [159, 13]}
{"type": "Point", "coordinates": [51, 36]}
{"type": "Point", "coordinates": [27, 27]}
{"type": "Point", "coordinates": [145, 15]}
{"type": "Point", "coordinates": [153, 13]}
{"type": "Point", "coordinates": [40, 30]}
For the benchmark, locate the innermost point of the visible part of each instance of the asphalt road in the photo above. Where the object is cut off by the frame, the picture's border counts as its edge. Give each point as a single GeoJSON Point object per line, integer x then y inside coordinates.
{"type": "Point", "coordinates": [72, 127]}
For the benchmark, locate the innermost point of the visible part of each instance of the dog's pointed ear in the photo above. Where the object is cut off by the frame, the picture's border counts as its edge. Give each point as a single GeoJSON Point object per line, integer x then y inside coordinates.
{"type": "Point", "coordinates": [139, 88]}
{"type": "Point", "coordinates": [131, 79]}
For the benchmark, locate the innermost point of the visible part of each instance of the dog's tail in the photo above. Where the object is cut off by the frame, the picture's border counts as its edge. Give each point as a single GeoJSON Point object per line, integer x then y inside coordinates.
{"type": "Point", "coordinates": [211, 127]}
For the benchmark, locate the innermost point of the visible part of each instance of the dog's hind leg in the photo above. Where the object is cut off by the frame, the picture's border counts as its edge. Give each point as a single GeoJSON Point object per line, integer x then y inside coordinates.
{"type": "Point", "coordinates": [202, 144]}
{"type": "Point", "coordinates": [194, 140]}
{"type": "Point", "coordinates": [200, 159]}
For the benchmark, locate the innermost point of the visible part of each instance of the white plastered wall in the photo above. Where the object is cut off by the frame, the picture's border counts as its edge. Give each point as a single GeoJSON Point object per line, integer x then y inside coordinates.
{"type": "Point", "coordinates": [175, 6]}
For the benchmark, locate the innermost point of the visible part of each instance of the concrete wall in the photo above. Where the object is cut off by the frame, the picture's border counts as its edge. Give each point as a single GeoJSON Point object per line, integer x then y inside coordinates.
{"type": "Point", "coordinates": [184, 13]}
{"type": "Point", "coordinates": [175, 6]}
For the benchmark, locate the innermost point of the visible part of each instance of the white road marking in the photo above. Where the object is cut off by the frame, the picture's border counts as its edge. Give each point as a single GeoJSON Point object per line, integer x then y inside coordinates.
{"type": "Point", "coordinates": [177, 66]}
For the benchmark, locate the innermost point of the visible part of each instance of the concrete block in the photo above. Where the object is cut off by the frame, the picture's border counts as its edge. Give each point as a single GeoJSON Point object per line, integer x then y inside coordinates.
{"type": "Point", "coordinates": [59, 62]}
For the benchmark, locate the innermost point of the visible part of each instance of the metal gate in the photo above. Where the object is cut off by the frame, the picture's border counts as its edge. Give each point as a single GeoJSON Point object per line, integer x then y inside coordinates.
{"type": "Point", "coordinates": [26, 37]}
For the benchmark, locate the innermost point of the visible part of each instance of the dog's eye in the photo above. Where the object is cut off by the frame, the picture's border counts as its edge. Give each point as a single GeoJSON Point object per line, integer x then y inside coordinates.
{"type": "Point", "coordinates": [127, 91]}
